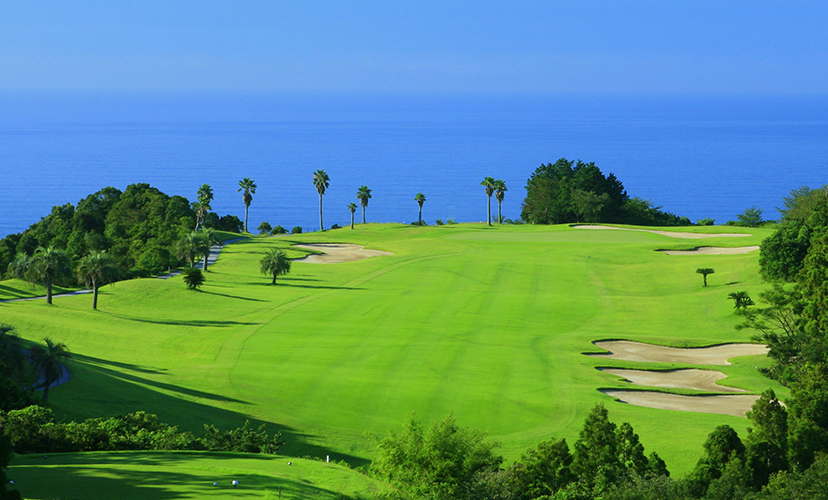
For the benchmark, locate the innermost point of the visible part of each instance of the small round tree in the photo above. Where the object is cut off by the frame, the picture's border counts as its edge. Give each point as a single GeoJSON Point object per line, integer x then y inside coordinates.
{"type": "Point", "coordinates": [193, 277]}
{"type": "Point", "coordinates": [275, 262]}
{"type": "Point", "coordinates": [704, 271]}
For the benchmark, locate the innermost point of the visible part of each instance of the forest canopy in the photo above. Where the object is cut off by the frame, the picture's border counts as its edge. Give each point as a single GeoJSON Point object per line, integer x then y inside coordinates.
{"type": "Point", "coordinates": [567, 191]}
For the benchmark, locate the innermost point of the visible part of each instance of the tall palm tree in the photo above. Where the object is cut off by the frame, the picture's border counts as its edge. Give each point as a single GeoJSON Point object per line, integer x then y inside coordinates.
{"type": "Point", "coordinates": [202, 206]}
{"type": "Point", "coordinates": [488, 183]}
{"type": "Point", "coordinates": [364, 194]}
{"type": "Point", "coordinates": [247, 185]}
{"type": "Point", "coordinates": [275, 262]}
{"type": "Point", "coordinates": [49, 363]}
{"type": "Point", "coordinates": [352, 208]}
{"type": "Point", "coordinates": [19, 267]}
{"type": "Point", "coordinates": [420, 199]}
{"type": "Point", "coordinates": [500, 193]}
{"type": "Point", "coordinates": [210, 238]}
{"type": "Point", "coordinates": [192, 244]}
{"type": "Point", "coordinates": [321, 181]}
{"type": "Point", "coordinates": [47, 265]}
{"type": "Point", "coordinates": [96, 269]}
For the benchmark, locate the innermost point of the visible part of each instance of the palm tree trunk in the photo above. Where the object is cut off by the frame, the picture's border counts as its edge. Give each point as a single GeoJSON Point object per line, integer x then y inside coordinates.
{"type": "Point", "coordinates": [363, 215]}
{"type": "Point", "coordinates": [48, 284]}
{"type": "Point", "coordinates": [274, 279]}
{"type": "Point", "coordinates": [205, 260]}
{"type": "Point", "coordinates": [94, 295]}
{"type": "Point", "coordinates": [46, 391]}
{"type": "Point", "coordinates": [420, 217]}
{"type": "Point", "coordinates": [489, 209]}
{"type": "Point", "coordinates": [321, 227]}
{"type": "Point", "coordinates": [352, 220]}
{"type": "Point", "coordinates": [246, 206]}
{"type": "Point", "coordinates": [499, 217]}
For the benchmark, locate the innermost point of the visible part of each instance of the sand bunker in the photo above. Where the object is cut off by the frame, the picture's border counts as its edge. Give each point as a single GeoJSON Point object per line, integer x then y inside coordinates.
{"type": "Point", "coordinates": [337, 252]}
{"type": "Point", "coordinates": [715, 355]}
{"type": "Point", "coordinates": [712, 251]}
{"type": "Point", "coordinates": [672, 234]}
{"type": "Point", "coordinates": [736, 405]}
{"type": "Point", "coordinates": [699, 380]}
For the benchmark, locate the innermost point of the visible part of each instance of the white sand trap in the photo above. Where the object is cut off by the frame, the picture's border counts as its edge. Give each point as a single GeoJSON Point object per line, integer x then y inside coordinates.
{"type": "Point", "coordinates": [712, 251]}
{"type": "Point", "coordinates": [736, 405]}
{"type": "Point", "coordinates": [700, 380]}
{"type": "Point", "coordinates": [715, 355]}
{"type": "Point", "coordinates": [672, 234]}
{"type": "Point", "coordinates": [335, 253]}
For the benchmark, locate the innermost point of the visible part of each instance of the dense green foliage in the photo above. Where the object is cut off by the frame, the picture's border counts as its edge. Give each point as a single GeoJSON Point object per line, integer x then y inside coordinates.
{"type": "Point", "coordinates": [193, 277]}
{"type": "Point", "coordinates": [35, 430]}
{"type": "Point", "coordinates": [566, 192]}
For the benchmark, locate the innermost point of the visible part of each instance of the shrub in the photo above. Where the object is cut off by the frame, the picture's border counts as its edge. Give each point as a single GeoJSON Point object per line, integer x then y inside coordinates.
{"type": "Point", "coordinates": [265, 228]}
{"type": "Point", "coordinates": [278, 230]}
{"type": "Point", "coordinates": [335, 226]}
{"type": "Point", "coordinates": [707, 221]}
{"type": "Point", "coordinates": [296, 230]}
{"type": "Point", "coordinates": [439, 222]}
{"type": "Point", "coordinates": [193, 277]}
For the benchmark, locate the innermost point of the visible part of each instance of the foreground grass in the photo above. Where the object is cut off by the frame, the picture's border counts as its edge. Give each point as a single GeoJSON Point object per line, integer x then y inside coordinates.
{"type": "Point", "coordinates": [489, 323]}
{"type": "Point", "coordinates": [168, 475]}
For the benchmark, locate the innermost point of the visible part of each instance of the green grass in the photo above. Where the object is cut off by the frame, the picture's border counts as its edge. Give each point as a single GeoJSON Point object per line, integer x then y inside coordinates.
{"type": "Point", "coordinates": [489, 323]}
{"type": "Point", "coordinates": [157, 475]}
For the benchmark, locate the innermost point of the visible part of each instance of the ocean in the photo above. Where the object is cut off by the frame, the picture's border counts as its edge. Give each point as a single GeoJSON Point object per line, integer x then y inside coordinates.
{"type": "Point", "coordinates": [696, 156]}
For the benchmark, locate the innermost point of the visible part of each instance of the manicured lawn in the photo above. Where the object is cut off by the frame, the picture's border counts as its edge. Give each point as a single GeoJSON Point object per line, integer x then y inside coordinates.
{"type": "Point", "coordinates": [157, 475]}
{"type": "Point", "coordinates": [489, 323]}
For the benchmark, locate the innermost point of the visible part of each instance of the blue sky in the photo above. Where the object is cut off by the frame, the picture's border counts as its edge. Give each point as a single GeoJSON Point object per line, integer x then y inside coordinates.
{"type": "Point", "coordinates": [444, 46]}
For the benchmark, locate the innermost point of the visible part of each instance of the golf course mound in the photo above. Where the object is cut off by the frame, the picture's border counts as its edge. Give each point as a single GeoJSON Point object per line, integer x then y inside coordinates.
{"type": "Point", "coordinates": [713, 355]}
{"type": "Point", "coordinates": [712, 251]}
{"type": "Point", "coordinates": [671, 234]}
{"type": "Point", "coordinates": [734, 405]}
{"type": "Point", "coordinates": [335, 253]}
{"type": "Point", "coordinates": [691, 378]}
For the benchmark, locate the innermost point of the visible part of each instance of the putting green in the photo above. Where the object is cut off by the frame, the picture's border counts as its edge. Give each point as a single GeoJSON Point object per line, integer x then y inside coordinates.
{"type": "Point", "coordinates": [489, 323]}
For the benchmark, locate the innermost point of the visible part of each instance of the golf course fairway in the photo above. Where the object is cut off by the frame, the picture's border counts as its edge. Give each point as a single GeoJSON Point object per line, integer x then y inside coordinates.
{"type": "Point", "coordinates": [488, 323]}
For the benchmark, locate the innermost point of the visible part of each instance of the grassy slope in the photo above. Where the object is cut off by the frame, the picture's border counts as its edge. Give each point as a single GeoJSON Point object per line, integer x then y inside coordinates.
{"type": "Point", "coordinates": [488, 323]}
{"type": "Point", "coordinates": [140, 475]}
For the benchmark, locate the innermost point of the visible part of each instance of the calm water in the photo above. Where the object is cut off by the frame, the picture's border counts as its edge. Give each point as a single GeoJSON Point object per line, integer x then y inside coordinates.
{"type": "Point", "coordinates": [695, 156]}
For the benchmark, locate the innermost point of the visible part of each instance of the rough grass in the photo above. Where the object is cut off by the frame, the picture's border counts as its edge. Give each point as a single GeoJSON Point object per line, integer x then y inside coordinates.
{"type": "Point", "coordinates": [488, 323]}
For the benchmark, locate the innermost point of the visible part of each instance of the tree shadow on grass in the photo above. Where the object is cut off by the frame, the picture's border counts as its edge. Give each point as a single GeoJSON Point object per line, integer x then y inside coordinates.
{"type": "Point", "coordinates": [99, 391]}
{"type": "Point", "coordinates": [168, 479]}
{"type": "Point", "coordinates": [185, 322]}
{"type": "Point", "coordinates": [232, 296]}
{"type": "Point", "coordinates": [287, 283]}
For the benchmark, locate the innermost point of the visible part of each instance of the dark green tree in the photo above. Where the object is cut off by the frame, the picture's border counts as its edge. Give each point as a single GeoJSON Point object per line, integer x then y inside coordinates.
{"type": "Point", "coordinates": [202, 206]}
{"type": "Point", "coordinates": [363, 195]}
{"type": "Point", "coordinates": [352, 208]}
{"type": "Point", "coordinates": [596, 459]}
{"type": "Point", "coordinates": [741, 300]}
{"type": "Point", "coordinates": [48, 265]}
{"type": "Point", "coordinates": [192, 245]}
{"type": "Point", "coordinates": [767, 440]}
{"type": "Point", "coordinates": [193, 277]}
{"type": "Point", "coordinates": [96, 269]}
{"type": "Point", "coordinates": [247, 185]}
{"type": "Point", "coordinates": [704, 271]}
{"type": "Point", "coordinates": [420, 199]}
{"type": "Point", "coordinates": [49, 362]}
{"type": "Point", "coordinates": [275, 263]}
{"type": "Point", "coordinates": [543, 471]}
{"type": "Point", "coordinates": [751, 217]}
{"type": "Point", "coordinates": [721, 446]}
{"type": "Point", "coordinates": [321, 181]}
{"type": "Point", "coordinates": [265, 227]}
{"type": "Point", "coordinates": [500, 195]}
{"type": "Point", "coordinates": [489, 187]}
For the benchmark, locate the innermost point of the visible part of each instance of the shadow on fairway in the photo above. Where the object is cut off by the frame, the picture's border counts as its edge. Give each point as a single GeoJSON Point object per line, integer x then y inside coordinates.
{"type": "Point", "coordinates": [125, 393]}
{"type": "Point", "coordinates": [158, 480]}
{"type": "Point", "coordinates": [287, 283]}
{"type": "Point", "coordinates": [187, 322]}
{"type": "Point", "coordinates": [231, 296]}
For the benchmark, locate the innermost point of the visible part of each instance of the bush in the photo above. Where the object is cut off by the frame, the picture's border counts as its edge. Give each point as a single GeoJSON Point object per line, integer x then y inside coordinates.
{"type": "Point", "coordinates": [439, 222]}
{"type": "Point", "coordinates": [264, 228]}
{"type": "Point", "coordinates": [297, 230]}
{"type": "Point", "coordinates": [707, 221]}
{"type": "Point", "coordinates": [335, 226]}
{"type": "Point", "coordinates": [278, 230]}
{"type": "Point", "coordinates": [242, 439]}
{"type": "Point", "coordinates": [193, 277]}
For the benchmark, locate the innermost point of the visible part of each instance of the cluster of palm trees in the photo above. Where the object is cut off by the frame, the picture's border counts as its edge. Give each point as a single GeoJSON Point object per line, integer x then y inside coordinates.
{"type": "Point", "coordinates": [197, 244]}
{"type": "Point", "coordinates": [498, 188]}
{"type": "Point", "coordinates": [47, 361]}
{"type": "Point", "coordinates": [50, 264]}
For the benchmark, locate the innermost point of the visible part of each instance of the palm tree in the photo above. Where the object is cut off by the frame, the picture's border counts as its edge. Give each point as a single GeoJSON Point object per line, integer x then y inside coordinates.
{"type": "Point", "coordinates": [49, 363]}
{"type": "Point", "coordinates": [488, 183]}
{"type": "Point", "coordinates": [500, 193]}
{"type": "Point", "coordinates": [275, 262]}
{"type": "Point", "coordinates": [742, 300]}
{"type": "Point", "coordinates": [210, 239]}
{"type": "Point", "coordinates": [420, 199]}
{"type": "Point", "coordinates": [321, 181]}
{"type": "Point", "coordinates": [202, 206]}
{"type": "Point", "coordinates": [352, 208]}
{"type": "Point", "coordinates": [704, 271]}
{"type": "Point", "coordinates": [247, 185]}
{"type": "Point", "coordinates": [364, 194]}
{"type": "Point", "coordinates": [19, 267]}
{"type": "Point", "coordinates": [192, 244]}
{"type": "Point", "coordinates": [96, 269]}
{"type": "Point", "coordinates": [47, 265]}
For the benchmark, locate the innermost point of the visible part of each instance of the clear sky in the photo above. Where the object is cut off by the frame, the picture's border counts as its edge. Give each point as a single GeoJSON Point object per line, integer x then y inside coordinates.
{"type": "Point", "coordinates": [419, 45]}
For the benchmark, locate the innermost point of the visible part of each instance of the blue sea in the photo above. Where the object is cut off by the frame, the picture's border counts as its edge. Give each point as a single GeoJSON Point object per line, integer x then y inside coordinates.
{"type": "Point", "coordinates": [696, 156]}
